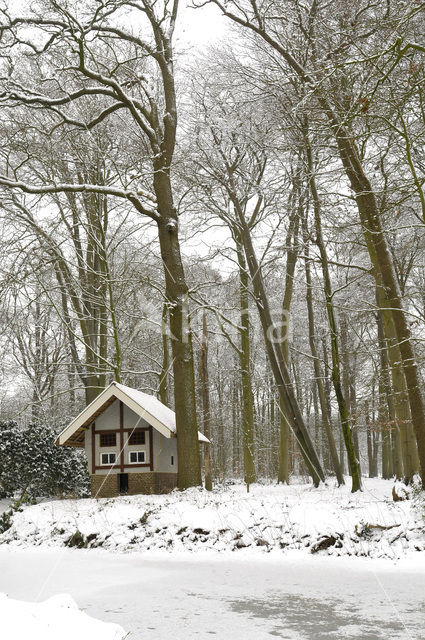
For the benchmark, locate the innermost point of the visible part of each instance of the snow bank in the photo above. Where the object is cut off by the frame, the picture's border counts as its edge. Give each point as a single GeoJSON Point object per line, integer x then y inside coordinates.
{"type": "Point", "coordinates": [326, 520]}
{"type": "Point", "coordinates": [57, 617]}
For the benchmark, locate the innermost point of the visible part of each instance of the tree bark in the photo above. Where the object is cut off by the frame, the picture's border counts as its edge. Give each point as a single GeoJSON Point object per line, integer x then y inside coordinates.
{"type": "Point", "coordinates": [205, 392]}
{"type": "Point", "coordinates": [369, 216]}
{"type": "Point", "coordinates": [245, 366]}
{"type": "Point", "coordinates": [336, 365]}
{"type": "Point", "coordinates": [276, 358]}
{"type": "Point", "coordinates": [189, 469]}
{"type": "Point", "coordinates": [385, 407]}
{"type": "Point", "coordinates": [317, 372]}
{"type": "Point", "coordinates": [165, 366]}
{"type": "Point", "coordinates": [401, 400]}
{"type": "Point", "coordinates": [384, 272]}
{"type": "Point", "coordinates": [292, 251]}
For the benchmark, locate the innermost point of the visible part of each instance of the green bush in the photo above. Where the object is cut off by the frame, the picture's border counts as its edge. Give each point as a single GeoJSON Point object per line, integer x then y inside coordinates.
{"type": "Point", "coordinates": [31, 463]}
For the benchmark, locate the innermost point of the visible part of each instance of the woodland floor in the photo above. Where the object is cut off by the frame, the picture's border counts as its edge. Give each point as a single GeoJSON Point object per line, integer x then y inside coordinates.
{"type": "Point", "coordinates": [268, 519]}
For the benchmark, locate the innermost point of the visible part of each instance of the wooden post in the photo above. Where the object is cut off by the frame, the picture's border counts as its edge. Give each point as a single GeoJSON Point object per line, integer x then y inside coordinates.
{"type": "Point", "coordinates": [93, 447]}
{"type": "Point", "coordinates": [121, 437]}
{"type": "Point", "coordinates": [150, 448]}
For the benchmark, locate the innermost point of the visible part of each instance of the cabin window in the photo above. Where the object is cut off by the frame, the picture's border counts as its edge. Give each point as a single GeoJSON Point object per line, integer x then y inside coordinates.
{"type": "Point", "coordinates": [172, 459]}
{"type": "Point", "coordinates": [108, 439]}
{"type": "Point", "coordinates": [137, 437]}
{"type": "Point", "coordinates": [136, 457]}
{"type": "Point", "coordinates": [108, 458]}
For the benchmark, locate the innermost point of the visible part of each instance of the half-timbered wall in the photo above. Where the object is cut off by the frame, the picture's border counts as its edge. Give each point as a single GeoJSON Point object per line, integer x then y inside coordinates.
{"type": "Point", "coordinates": [120, 419]}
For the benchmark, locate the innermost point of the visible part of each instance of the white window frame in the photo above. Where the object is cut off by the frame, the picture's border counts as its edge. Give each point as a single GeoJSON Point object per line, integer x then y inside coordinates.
{"type": "Point", "coordinates": [137, 453]}
{"type": "Point", "coordinates": [107, 453]}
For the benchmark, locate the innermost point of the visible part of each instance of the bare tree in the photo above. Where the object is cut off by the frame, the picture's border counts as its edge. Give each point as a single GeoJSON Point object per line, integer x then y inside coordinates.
{"type": "Point", "coordinates": [96, 56]}
{"type": "Point", "coordinates": [313, 42]}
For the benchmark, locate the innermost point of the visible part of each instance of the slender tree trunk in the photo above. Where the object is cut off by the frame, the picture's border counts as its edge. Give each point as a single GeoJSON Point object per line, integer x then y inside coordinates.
{"type": "Point", "coordinates": [292, 250]}
{"type": "Point", "coordinates": [369, 438]}
{"type": "Point", "coordinates": [221, 453]}
{"type": "Point", "coordinates": [376, 431]}
{"type": "Point", "coordinates": [236, 419]}
{"type": "Point", "coordinates": [336, 365]}
{"type": "Point", "coordinates": [205, 392]}
{"type": "Point", "coordinates": [245, 366]}
{"type": "Point", "coordinates": [385, 275]}
{"type": "Point", "coordinates": [393, 429]}
{"type": "Point", "coordinates": [386, 408]}
{"type": "Point", "coordinates": [401, 400]}
{"type": "Point", "coordinates": [276, 358]}
{"type": "Point", "coordinates": [348, 385]}
{"type": "Point", "coordinates": [317, 372]}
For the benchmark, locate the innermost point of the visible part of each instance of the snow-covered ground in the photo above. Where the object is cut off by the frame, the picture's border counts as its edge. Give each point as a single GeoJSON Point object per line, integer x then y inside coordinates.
{"type": "Point", "coordinates": [57, 617]}
{"type": "Point", "coordinates": [264, 583]}
{"type": "Point", "coordinates": [270, 518]}
{"type": "Point", "coordinates": [293, 596]}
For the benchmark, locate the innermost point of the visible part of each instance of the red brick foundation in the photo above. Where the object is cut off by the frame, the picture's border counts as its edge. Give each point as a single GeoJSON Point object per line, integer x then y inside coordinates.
{"type": "Point", "coordinates": [103, 486]}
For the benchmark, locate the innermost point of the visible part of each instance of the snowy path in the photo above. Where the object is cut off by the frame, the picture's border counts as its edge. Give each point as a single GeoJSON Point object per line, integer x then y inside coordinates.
{"type": "Point", "coordinates": [293, 596]}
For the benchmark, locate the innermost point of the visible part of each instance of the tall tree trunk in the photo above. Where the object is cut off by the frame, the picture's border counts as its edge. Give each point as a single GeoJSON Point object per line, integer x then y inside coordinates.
{"type": "Point", "coordinates": [386, 408]}
{"type": "Point", "coordinates": [376, 431]}
{"type": "Point", "coordinates": [348, 383]}
{"type": "Point", "coordinates": [236, 419]}
{"type": "Point", "coordinates": [165, 365]}
{"type": "Point", "coordinates": [384, 271]}
{"type": "Point", "coordinates": [316, 364]}
{"type": "Point", "coordinates": [396, 451]}
{"type": "Point", "coordinates": [336, 365]}
{"type": "Point", "coordinates": [401, 400]}
{"type": "Point", "coordinates": [189, 469]}
{"type": "Point", "coordinates": [205, 392]}
{"type": "Point", "coordinates": [275, 355]}
{"type": "Point", "coordinates": [220, 448]}
{"type": "Point", "coordinates": [162, 141]}
{"type": "Point", "coordinates": [245, 367]}
{"type": "Point", "coordinates": [370, 442]}
{"type": "Point", "coordinates": [292, 250]}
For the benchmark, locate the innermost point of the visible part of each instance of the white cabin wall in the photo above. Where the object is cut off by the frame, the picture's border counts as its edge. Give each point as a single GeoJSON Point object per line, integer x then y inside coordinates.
{"type": "Point", "coordinates": [163, 449]}
{"type": "Point", "coordinates": [131, 419]}
{"type": "Point", "coordinates": [110, 418]}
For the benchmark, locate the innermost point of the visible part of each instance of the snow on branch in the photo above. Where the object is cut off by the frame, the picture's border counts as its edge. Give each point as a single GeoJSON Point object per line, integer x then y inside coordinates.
{"type": "Point", "coordinates": [131, 195]}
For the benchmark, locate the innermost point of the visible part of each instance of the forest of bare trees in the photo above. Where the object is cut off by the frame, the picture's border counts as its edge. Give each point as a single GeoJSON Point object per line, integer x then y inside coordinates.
{"type": "Point", "coordinates": [238, 229]}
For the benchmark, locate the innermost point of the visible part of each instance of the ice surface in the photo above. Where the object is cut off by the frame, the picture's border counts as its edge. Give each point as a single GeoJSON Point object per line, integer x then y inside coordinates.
{"type": "Point", "coordinates": [195, 597]}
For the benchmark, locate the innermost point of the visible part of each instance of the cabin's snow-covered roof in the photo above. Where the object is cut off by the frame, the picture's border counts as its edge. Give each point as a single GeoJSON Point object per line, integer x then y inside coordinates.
{"type": "Point", "coordinates": [144, 405]}
{"type": "Point", "coordinates": [151, 404]}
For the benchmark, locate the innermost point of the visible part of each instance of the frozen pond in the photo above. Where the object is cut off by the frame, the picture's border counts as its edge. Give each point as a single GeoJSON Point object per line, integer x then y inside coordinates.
{"type": "Point", "coordinates": [233, 597]}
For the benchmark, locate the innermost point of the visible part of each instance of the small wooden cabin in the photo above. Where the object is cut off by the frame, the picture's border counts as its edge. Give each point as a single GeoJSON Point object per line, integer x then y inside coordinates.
{"type": "Point", "coordinates": [130, 442]}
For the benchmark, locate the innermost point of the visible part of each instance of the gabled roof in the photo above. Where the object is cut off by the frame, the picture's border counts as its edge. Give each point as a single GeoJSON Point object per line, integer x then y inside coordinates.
{"type": "Point", "coordinates": [157, 414]}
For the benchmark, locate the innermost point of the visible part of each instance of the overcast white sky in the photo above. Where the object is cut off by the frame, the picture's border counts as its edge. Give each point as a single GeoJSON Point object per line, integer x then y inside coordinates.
{"type": "Point", "coordinates": [201, 26]}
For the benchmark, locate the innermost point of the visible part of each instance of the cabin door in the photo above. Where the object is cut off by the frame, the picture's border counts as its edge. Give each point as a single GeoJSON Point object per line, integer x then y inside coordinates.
{"type": "Point", "coordinates": [123, 480]}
